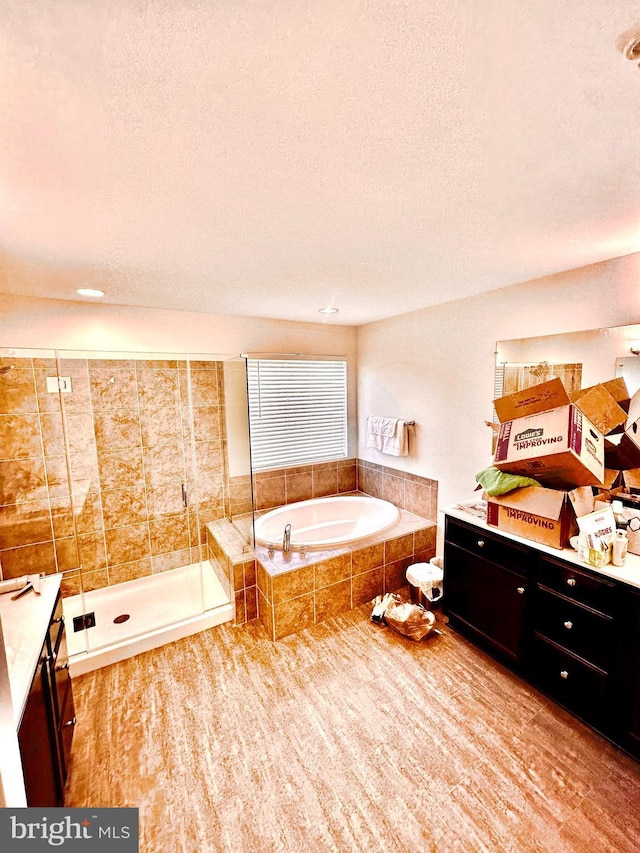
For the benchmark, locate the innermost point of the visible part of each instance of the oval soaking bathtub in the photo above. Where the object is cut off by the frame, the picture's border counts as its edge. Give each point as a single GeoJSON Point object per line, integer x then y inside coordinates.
{"type": "Point", "coordinates": [326, 522]}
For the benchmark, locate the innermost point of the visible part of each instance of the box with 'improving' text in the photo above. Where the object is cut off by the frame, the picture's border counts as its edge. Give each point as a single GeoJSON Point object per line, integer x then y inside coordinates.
{"type": "Point", "coordinates": [560, 448]}
{"type": "Point", "coordinates": [533, 512]}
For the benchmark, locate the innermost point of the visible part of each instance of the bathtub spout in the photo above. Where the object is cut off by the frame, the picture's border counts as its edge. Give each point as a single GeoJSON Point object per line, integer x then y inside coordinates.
{"type": "Point", "coordinates": [286, 539]}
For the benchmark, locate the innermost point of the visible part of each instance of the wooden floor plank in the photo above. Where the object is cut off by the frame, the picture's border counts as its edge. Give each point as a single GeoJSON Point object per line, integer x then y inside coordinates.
{"type": "Point", "coordinates": [345, 737]}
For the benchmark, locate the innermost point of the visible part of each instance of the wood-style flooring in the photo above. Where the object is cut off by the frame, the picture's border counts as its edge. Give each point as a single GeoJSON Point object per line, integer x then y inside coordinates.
{"type": "Point", "coordinates": [344, 737]}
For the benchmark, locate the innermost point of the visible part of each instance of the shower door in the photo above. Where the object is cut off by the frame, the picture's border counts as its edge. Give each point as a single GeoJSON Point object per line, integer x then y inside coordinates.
{"type": "Point", "coordinates": [127, 464]}
{"type": "Point", "coordinates": [37, 530]}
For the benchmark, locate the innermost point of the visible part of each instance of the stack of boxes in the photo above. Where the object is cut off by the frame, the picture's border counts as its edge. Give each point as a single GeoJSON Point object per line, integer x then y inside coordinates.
{"type": "Point", "coordinates": [583, 448]}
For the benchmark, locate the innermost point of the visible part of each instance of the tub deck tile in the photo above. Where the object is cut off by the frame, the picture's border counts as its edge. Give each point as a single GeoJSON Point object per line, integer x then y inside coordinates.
{"type": "Point", "coordinates": [294, 590]}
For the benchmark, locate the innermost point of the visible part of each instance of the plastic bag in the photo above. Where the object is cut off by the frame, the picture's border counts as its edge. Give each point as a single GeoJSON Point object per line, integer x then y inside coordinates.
{"type": "Point", "coordinates": [411, 620]}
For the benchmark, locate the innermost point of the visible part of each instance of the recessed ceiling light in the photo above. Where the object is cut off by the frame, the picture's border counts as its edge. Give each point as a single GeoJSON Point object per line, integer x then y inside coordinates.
{"type": "Point", "coordinates": [329, 310]}
{"type": "Point", "coordinates": [89, 291]}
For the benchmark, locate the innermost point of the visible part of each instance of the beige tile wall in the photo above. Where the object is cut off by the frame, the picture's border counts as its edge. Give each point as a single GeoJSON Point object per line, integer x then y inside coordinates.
{"type": "Point", "coordinates": [90, 481]}
{"type": "Point", "coordinates": [415, 494]}
{"type": "Point", "coordinates": [303, 482]}
{"type": "Point", "coordinates": [235, 566]}
{"type": "Point", "coordinates": [296, 591]}
{"type": "Point", "coordinates": [411, 492]}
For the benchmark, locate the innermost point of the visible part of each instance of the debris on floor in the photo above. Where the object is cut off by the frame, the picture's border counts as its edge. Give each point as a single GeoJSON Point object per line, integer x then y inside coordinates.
{"type": "Point", "coordinates": [411, 620]}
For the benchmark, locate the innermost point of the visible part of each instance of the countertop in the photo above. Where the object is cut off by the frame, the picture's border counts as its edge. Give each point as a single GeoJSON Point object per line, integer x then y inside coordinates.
{"type": "Point", "coordinates": [23, 627]}
{"type": "Point", "coordinates": [25, 623]}
{"type": "Point", "coordinates": [629, 573]}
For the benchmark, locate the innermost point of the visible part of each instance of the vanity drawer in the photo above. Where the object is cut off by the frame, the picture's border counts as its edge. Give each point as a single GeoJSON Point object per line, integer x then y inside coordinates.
{"type": "Point", "coordinates": [494, 549]}
{"type": "Point", "coordinates": [586, 588]}
{"type": "Point", "coordinates": [576, 684]}
{"type": "Point", "coordinates": [575, 627]}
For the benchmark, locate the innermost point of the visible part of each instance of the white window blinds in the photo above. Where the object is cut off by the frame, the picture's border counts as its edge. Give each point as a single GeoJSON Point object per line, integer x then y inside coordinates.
{"type": "Point", "coordinates": [297, 411]}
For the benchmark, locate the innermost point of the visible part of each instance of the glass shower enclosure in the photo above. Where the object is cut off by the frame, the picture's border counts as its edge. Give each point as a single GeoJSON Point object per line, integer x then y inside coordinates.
{"type": "Point", "coordinates": [113, 464]}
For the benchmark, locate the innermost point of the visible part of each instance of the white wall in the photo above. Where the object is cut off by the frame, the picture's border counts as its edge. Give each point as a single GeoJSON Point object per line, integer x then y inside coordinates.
{"type": "Point", "coordinates": [434, 366]}
{"type": "Point", "coordinates": [437, 365]}
{"type": "Point", "coordinates": [29, 322]}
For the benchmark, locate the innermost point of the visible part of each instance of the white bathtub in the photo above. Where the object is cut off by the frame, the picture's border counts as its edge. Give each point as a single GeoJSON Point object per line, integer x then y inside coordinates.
{"type": "Point", "coordinates": [326, 522]}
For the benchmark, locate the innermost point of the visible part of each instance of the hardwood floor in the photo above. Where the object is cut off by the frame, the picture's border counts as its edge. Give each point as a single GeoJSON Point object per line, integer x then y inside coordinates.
{"type": "Point", "coordinates": [345, 737]}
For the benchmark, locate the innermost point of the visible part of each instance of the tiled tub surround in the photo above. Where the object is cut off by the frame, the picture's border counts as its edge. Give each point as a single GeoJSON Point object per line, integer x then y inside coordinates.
{"type": "Point", "coordinates": [234, 564]}
{"type": "Point", "coordinates": [370, 572]}
{"type": "Point", "coordinates": [289, 592]}
{"type": "Point", "coordinates": [90, 481]}
{"type": "Point", "coordinates": [296, 591]}
{"type": "Point", "coordinates": [301, 483]}
{"type": "Point", "coordinates": [415, 494]}
{"type": "Point", "coordinates": [418, 495]}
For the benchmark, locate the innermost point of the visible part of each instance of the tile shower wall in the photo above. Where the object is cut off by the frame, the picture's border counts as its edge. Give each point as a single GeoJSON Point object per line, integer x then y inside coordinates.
{"type": "Point", "coordinates": [90, 481]}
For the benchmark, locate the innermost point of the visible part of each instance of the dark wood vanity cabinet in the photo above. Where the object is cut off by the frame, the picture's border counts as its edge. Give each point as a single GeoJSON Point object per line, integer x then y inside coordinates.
{"type": "Point", "coordinates": [487, 580]}
{"type": "Point", "coordinates": [36, 738]}
{"type": "Point", "coordinates": [571, 632]}
{"type": "Point", "coordinates": [47, 724]}
{"type": "Point", "coordinates": [628, 683]}
{"type": "Point", "coordinates": [574, 635]}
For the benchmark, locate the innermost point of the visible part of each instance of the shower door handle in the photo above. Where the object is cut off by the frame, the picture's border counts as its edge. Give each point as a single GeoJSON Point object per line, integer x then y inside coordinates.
{"type": "Point", "coordinates": [185, 495]}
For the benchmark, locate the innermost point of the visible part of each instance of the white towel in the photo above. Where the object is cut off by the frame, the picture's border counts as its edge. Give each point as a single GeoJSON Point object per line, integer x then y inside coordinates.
{"type": "Point", "coordinates": [388, 435]}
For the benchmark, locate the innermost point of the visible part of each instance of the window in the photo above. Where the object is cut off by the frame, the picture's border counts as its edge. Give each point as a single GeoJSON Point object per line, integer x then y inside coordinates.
{"type": "Point", "coordinates": [297, 411]}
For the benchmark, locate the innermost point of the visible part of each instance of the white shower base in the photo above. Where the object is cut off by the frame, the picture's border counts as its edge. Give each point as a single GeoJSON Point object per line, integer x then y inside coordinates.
{"type": "Point", "coordinates": [162, 608]}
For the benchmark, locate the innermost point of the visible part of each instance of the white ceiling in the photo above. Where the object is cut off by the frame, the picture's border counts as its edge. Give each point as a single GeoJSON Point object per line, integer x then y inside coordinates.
{"type": "Point", "coordinates": [270, 157]}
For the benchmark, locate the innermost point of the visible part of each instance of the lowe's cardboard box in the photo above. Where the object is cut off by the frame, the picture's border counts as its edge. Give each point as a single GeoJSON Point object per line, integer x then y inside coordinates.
{"type": "Point", "coordinates": [536, 513]}
{"type": "Point", "coordinates": [605, 405]}
{"type": "Point", "coordinates": [530, 401]}
{"type": "Point", "coordinates": [560, 448]}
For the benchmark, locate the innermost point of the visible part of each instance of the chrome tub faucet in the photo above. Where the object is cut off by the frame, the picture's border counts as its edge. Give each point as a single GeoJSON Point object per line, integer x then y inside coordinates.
{"type": "Point", "coordinates": [286, 539]}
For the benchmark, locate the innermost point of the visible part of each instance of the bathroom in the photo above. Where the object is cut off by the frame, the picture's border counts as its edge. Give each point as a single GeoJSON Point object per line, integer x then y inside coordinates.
{"type": "Point", "coordinates": [421, 366]}
{"type": "Point", "coordinates": [222, 179]}
{"type": "Point", "coordinates": [424, 365]}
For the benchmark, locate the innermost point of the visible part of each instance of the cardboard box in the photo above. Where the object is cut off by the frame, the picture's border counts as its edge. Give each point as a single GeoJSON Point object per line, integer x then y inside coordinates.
{"type": "Point", "coordinates": [630, 481]}
{"type": "Point", "coordinates": [582, 500]}
{"type": "Point", "coordinates": [600, 404]}
{"type": "Point", "coordinates": [627, 485]}
{"type": "Point", "coordinates": [560, 448]}
{"type": "Point", "coordinates": [610, 483]}
{"type": "Point", "coordinates": [618, 389]}
{"type": "Point", "coordinates": [620, 452]}
{"type": "Point", "coordinates": [531, 401]}
{"type": "Point", "coordinates": [542, 515]}
{"type": "Point", "coordinates": [632, 425]}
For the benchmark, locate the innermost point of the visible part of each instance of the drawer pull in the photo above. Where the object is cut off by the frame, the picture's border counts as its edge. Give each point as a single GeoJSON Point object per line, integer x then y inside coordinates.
{"type": "Point", "coordinates": [520, 590]}
{"type": "Point", "coordinates": [568, 625]}
{"type": "Point", "coordinates": [564, 674]}
{"type": "Point", "coordinates": [571, 581]}
{"type": "Point", "coordinates": [70, 722]}
{"type": "Point", "coordinates": [480, 543]}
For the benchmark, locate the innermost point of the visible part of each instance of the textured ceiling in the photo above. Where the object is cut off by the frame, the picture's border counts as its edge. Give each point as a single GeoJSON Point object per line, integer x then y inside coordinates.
{"type": "Point", "coordinates": [270, 157]}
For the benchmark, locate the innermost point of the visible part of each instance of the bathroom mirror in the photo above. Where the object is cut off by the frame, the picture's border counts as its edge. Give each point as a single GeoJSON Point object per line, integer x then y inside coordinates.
{"type": "Point", "coordinates": [589, 357]}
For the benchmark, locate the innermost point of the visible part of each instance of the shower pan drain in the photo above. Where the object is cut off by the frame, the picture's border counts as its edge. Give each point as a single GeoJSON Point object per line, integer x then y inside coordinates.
{"type": "Point", "coordinates": [122, 618]}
